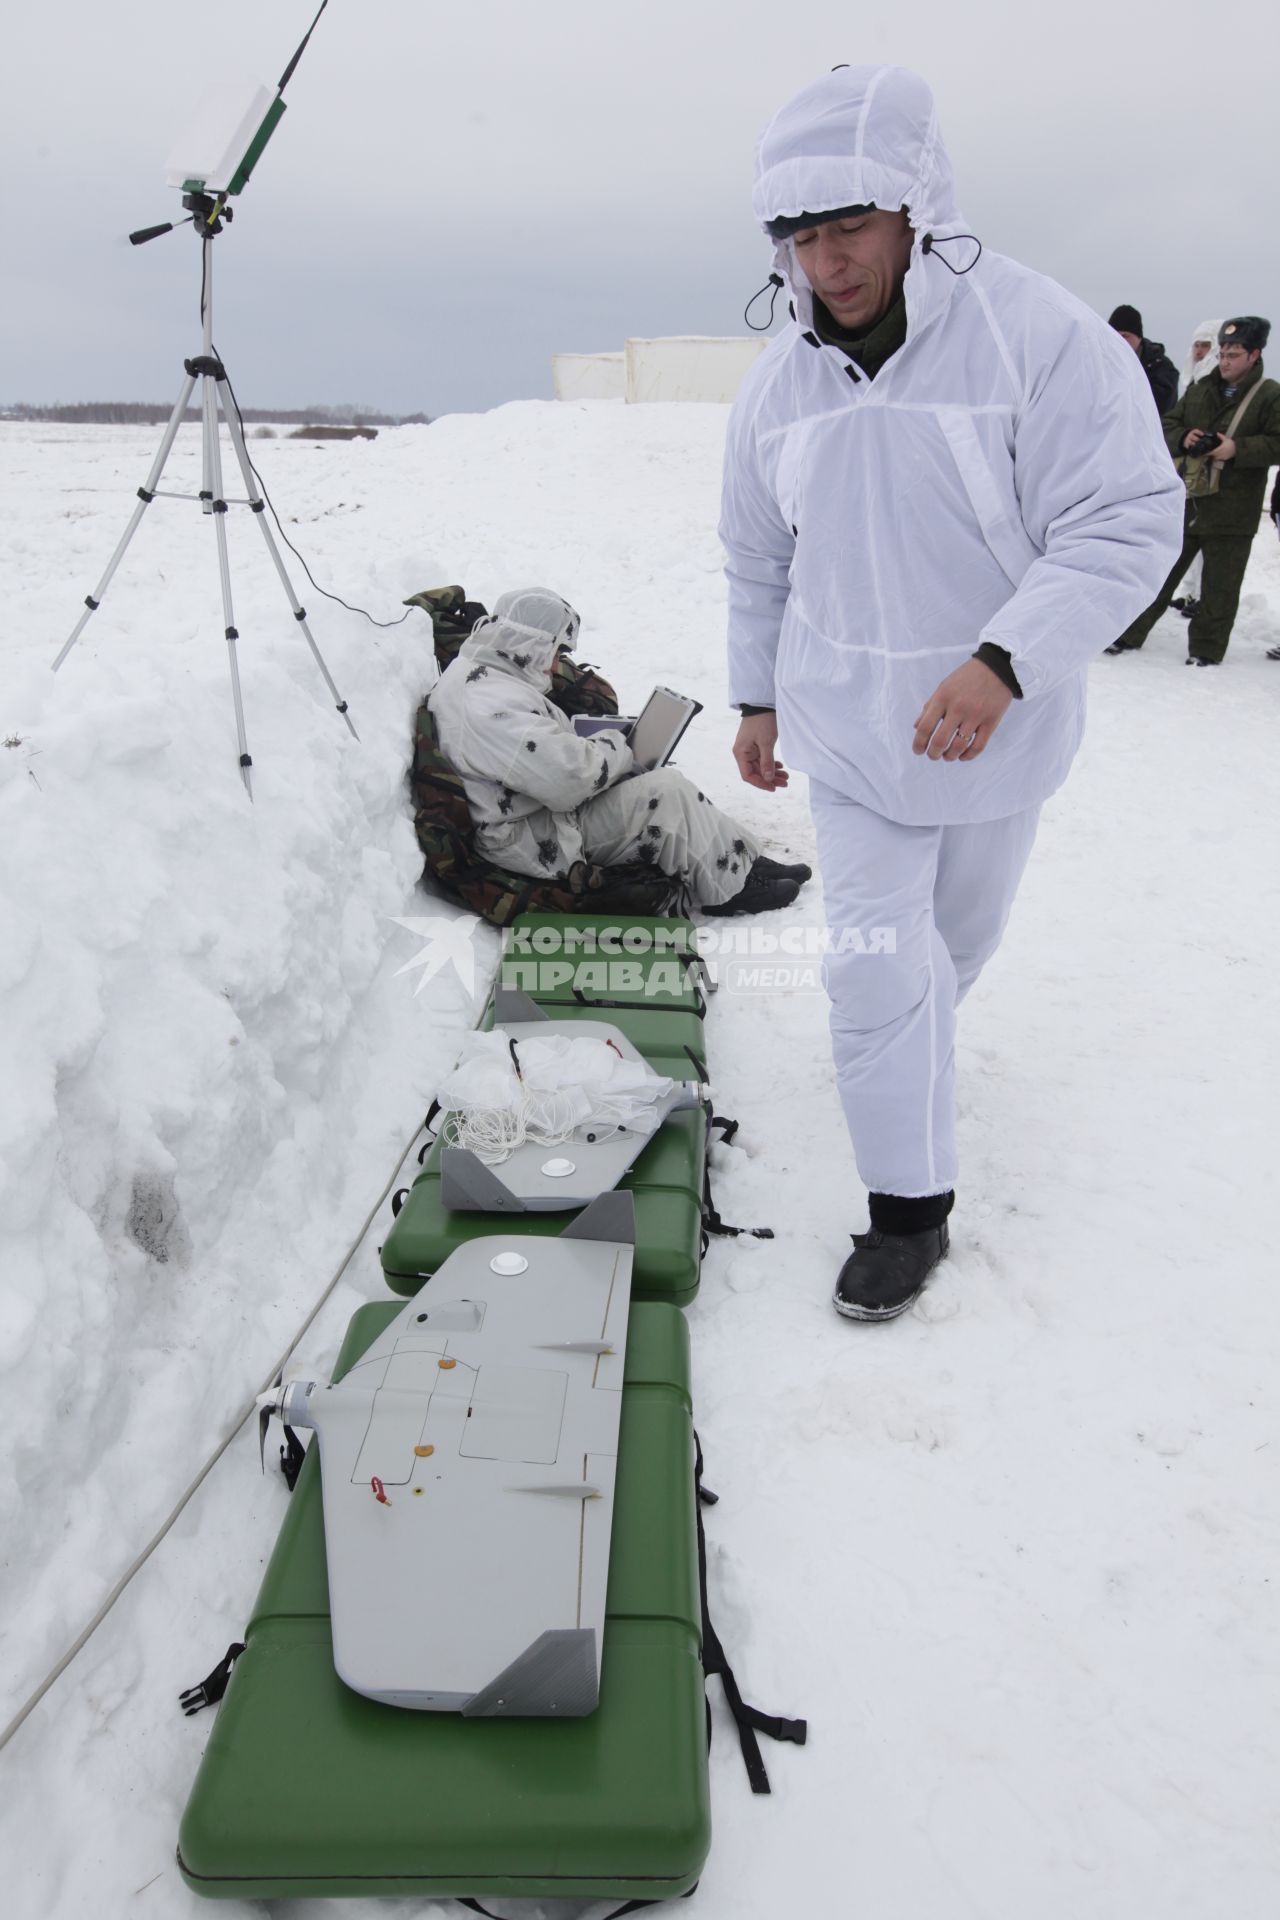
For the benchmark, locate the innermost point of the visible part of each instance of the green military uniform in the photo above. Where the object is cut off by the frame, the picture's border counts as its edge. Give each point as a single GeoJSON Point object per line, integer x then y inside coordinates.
{"type": "Point", "coordinates": [870, 349]}
{"type": "Point", "coordinates": [1219, 525]}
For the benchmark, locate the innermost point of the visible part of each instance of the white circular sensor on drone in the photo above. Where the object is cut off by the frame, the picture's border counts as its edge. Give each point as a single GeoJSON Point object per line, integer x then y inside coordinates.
{"type": "Point", "coordinates": [509, 1263]}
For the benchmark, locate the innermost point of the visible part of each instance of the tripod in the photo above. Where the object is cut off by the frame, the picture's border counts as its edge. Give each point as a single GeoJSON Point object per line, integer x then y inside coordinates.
{"type": "Point", "coordinates": [207, 217]}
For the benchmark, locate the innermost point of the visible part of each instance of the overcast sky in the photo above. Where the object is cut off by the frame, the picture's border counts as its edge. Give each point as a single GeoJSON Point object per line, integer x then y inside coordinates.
{"type": "Point", "coordinates": [459, 190]}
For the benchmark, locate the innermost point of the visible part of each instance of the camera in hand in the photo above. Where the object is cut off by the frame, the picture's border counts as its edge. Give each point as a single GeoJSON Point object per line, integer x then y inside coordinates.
{"type": "Point", "coordinates": [1205, 444]}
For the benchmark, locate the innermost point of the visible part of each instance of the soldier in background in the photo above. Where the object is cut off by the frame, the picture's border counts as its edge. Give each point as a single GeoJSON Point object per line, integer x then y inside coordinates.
{"type": "Point", "coordinates": [1224, 434]}
{"type": "Point", "coordinates": [1162, 375]}
{"type": "Point", "coordinates": [1202, 354]}
{"type": "Point", "coordinates": [1202, 358]}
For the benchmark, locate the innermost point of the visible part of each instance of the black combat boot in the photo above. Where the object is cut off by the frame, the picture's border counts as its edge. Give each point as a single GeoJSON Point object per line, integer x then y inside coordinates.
{"type": "Point", "coordinates": [761, 893]}
{"type": "Point", "coordinates": [888, 1268]}
{"type": "Point", "coordinates": [886, 1272]}
{"type": "Point", "coordinates": [777, 870]}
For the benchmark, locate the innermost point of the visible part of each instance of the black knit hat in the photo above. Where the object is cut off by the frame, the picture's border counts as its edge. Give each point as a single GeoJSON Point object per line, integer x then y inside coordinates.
{"type": "Point", "coordinates": [784, 227]}
{"type": "Point", "coordinates": [1126, 320]}
{"type": "Point", "coordinates": [1247, 330]}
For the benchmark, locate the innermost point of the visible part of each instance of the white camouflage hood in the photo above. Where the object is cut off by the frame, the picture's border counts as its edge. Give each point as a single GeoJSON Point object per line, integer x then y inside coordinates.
{"type": "Point", "coordinates": [862, 136]}
{"type": "Point", "coordinates": [1193, 370]}
{"type": "Point", "coordinates": [523, 635]}
{"type": "Point", "coordinates": [524, 770]}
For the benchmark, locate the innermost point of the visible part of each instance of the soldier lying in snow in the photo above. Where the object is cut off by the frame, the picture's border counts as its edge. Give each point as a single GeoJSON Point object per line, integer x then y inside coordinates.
{"type": "Point", "coordinates": [543, 798]}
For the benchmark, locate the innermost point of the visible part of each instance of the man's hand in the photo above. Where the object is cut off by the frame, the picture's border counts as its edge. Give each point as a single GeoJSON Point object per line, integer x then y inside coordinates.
{"type": "Point", "coordinates": [753, 750]}
{"type": "Point", "coordinates": [1225, 449]}
{"type": "Point", "coordinates": [957, 720]}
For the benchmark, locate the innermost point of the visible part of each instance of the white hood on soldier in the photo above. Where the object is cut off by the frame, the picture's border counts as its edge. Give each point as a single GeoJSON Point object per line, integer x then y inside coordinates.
{"type": "Point", "coordinates": [861, 136]}
{"type": "Point", "coordinates": [523, 635]}
{"type": "Point", "coordinates": [1193, 370]}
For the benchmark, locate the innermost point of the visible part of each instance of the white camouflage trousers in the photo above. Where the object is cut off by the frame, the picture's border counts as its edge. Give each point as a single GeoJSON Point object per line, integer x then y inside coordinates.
{"type": "Point", "coordinates": [944, 895]}
{"type": "Point", "coordinates": [662, 819]}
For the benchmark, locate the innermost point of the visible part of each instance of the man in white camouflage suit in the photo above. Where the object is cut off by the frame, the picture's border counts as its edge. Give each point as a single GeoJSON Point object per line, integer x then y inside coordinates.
{"type": "Point", "coordinates": [544, 798]}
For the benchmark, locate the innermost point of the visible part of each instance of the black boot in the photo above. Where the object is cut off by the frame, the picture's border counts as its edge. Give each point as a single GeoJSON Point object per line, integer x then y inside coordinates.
{"type": "Point", "coordinates": [886, 1272]}
{"type": "Point", "coordinates": [761, 893]}
{"type": "Point", "coordinates": [777, 870]}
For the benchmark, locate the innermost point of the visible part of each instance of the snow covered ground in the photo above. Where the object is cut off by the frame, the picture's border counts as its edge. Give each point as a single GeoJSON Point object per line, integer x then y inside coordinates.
{"type": "Point", "coordinates": [1014, 1555]}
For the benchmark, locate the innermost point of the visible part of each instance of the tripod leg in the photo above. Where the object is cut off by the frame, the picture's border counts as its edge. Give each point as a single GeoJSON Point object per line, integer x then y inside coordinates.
{"type": "Point", "coordinates": [218, 507]}
{"type": "Point", "coordinates": [256, 502]}
{"type": "Point", "coordinates": [146, 495]}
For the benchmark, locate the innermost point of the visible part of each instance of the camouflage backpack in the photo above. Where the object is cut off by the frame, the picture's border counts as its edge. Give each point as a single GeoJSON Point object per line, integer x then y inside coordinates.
{"type": "Point", "coordinates": [442, 818]}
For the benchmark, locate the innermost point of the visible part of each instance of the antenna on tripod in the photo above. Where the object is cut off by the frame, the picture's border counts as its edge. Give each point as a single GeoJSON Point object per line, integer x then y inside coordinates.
{"type": "Point", "coordinates": [287, 75]}
{"type": "Point", "coordinates": [226, 151]}
{"type": "Point", "coordinates": [242, 152]}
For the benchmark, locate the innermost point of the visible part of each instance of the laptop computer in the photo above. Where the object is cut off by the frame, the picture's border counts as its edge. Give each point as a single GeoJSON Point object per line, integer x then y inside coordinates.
{"type": "Point", "coordinates": [653, 734]}
{"type": "Point", "coordinates": [659, 727]}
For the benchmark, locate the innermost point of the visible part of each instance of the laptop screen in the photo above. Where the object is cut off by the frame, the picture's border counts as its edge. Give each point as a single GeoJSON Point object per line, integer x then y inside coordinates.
{"type": "Point", "coordinates": [663, 719]}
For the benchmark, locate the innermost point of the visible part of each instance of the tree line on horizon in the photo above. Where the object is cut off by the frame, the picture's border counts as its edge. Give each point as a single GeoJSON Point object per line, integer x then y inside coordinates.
{"type": "Point", "coordinates": [145, 413]}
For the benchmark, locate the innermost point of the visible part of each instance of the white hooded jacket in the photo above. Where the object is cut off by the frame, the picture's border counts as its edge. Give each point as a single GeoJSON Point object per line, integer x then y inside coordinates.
{"type": "Point", "coordinates": [1193, 370]}
{"type": "Point", "coordinates": [1002, 478]}
{"type": "Point", "coordinates": [524, 769]}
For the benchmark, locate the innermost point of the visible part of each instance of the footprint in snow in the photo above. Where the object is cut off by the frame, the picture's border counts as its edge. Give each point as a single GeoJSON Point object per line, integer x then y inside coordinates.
{"type": "Point", "coordinates": [744, 1276]}
{"type": "Point", "coordinates": [937, 1304]}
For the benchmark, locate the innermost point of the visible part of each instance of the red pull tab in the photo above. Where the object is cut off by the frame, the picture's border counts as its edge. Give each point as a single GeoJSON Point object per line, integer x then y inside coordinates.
{"type": "Point", "coordinates": [379, 1491]}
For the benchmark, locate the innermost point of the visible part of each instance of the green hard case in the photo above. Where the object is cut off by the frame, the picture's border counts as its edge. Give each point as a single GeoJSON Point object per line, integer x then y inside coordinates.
{"type": "Point", "coordinates": [308, 1789]}
{"type": "Point", "coordinates": [644, 961]}
{"type": "Point", "coordinates": [666, 1180]}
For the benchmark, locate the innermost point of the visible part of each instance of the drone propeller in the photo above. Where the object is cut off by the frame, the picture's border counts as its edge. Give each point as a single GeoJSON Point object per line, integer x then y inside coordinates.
{"type": "Point", "coordinates": [292, 1452]}
{"type": "Point", "coordinates": [268, 1403]}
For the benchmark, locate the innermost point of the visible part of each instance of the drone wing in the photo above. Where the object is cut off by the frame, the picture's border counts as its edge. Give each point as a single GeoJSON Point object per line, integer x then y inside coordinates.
{"type": "Point", "coordinates": [468, 1466]}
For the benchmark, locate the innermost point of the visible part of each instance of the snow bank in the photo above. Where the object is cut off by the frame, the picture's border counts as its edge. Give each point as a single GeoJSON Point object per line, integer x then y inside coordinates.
{"type": "Point", "coordinates": [1011, 1555]}
{"type": "Point", "coordinates": [204, 1078]}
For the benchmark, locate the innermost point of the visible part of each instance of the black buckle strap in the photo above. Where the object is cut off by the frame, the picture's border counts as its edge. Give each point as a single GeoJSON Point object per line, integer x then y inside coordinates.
{"type": "Point", "coordinates": [749, 1720]}
{"type": "Point", "coordinates": [628, 1906]}
{"type": "Point", "coordinates": [712, 1223]}
{"type": "Point", "coordinates": [214, 1685]}
{"type": "Point", "coordinates": [699, 1067]}
{"type": "Point", "coordinates": [584, 999]}
{"type": "Point", "coordinates": [432, 1111]}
